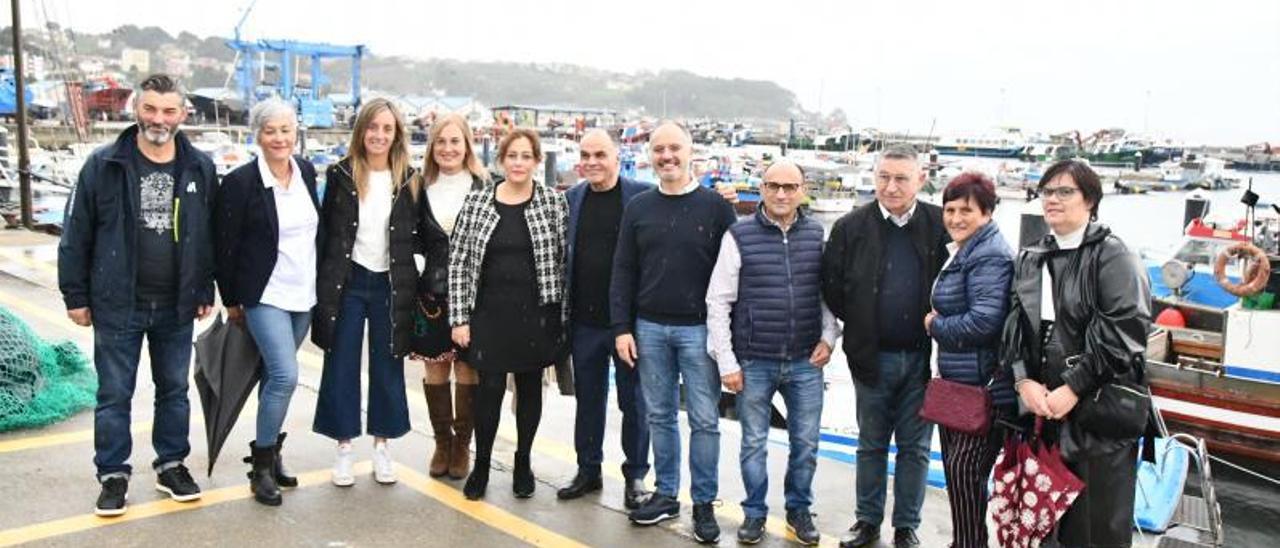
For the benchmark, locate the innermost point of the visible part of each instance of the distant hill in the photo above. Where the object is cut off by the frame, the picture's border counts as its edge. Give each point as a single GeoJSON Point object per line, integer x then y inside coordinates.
{"type": "Point", "coordinates": [675, 93]}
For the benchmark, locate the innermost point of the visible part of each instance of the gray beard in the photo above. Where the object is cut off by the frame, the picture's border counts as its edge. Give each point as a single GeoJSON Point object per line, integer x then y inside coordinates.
{"type": "Point", "coordinates": [155, 139]}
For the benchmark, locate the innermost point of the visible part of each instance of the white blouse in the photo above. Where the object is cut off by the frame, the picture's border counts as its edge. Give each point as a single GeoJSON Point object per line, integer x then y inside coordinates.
{"type": "Point", "coordinates": [292, 285]}
{"type": "Point", "coordinates": [446, 196]}
{"type": "Point", "coordinates": [373, 249]}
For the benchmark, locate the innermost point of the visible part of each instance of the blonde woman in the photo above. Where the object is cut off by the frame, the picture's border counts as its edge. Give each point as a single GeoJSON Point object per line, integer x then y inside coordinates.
{"type": "Point", "coordinates": [450, 171]}
{"type": "Point", "coordinates": [375, 218]}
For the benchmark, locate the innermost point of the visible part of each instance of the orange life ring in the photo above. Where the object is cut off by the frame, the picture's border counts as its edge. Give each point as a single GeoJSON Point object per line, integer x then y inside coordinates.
{"type": "Point", "coordinates": [1257, 273]}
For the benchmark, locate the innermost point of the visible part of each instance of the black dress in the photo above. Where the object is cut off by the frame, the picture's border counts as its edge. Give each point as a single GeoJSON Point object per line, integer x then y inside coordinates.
{"type": "Point", "coordinates": [510, 331]}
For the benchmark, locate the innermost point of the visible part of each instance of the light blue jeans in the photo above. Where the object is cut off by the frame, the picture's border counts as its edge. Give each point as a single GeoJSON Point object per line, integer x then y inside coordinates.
{"type": "Point", "coordinates": [800, 384]}
{"type": "Point", "coordinates": [278, 334]}
{"type": "Point", "coordinates": [891, 408]}
{"type": "Point", "coordinates": [668, 353]}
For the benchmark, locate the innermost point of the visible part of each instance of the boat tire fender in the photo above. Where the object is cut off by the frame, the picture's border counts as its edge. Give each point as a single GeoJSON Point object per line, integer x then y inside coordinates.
{"type": "Point", "coordinates": [1256, 275]}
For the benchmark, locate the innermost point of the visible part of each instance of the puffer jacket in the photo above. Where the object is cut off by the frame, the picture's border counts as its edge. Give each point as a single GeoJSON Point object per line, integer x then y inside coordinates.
{"type": "Point", "coordinates": [971, 298]}
{"type": "Point", "coordinates": [1102, 301]}
{"type": "Point", "coordinates": [412, 230]}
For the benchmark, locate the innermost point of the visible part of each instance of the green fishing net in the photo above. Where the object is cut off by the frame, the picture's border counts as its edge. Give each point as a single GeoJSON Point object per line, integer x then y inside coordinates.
{"type": "Point", "coordinates": [40, 383]}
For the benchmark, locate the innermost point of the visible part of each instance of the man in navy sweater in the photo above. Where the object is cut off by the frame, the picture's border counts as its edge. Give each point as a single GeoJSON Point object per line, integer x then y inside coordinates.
{"type": "Point", "coordinates": [667, 247]}
{"type": "Point", "coordinates": [877, 270]}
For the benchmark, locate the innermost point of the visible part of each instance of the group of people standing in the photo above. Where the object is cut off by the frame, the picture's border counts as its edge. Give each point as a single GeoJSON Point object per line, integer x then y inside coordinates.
{"type": "Point", "coordinates": [662, 282]}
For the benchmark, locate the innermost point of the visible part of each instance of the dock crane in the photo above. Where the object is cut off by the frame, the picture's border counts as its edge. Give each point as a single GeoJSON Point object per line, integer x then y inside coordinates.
{"type": "Point", "coordinates": [316, 111]}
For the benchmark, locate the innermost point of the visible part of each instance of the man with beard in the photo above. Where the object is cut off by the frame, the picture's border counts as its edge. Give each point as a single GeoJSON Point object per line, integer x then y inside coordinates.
{"type": "Point", "coordinates": [135, 260]}
{"type": "Point", "coordinates": [667, 246]}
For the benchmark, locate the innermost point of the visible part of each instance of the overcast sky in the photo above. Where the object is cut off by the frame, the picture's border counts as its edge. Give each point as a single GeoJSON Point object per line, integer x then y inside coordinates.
{"type": "Point", "coordinates": [1201, 72]}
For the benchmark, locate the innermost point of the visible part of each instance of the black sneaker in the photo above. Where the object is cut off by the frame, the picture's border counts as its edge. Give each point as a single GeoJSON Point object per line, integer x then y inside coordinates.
{"type": "Point", "coordinates": [657, 509]}
{"type": "Point", "coordinates": [113, 498]}
{"type": "Point", "coordinates": [177, 482]}
{"type": "Point", "coordinates": [751, 531]}
{"type": "Point", "coordinates": [800, 523]}
{"type": "Point", "coordinates": [904, 537]}
{"type": "Point", "coordinates": [705, 528]}
{"type": "Point", "coordinates": [861, 534]}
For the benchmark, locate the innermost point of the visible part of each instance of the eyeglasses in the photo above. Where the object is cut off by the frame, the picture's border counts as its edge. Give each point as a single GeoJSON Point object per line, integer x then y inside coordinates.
{"type": "Point", "coordinates": [1059, 192]}
{"type": "Point", "coordinates": [789, 188]}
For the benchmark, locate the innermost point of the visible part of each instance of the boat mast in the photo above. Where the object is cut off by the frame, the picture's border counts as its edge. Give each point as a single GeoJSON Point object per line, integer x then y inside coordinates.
{"type": "Point", "coordinates": [24, 171]}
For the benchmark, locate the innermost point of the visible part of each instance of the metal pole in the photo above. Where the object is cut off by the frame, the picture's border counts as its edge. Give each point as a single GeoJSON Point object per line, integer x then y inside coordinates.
{"type": "Point", "coordinates": [24, 164]}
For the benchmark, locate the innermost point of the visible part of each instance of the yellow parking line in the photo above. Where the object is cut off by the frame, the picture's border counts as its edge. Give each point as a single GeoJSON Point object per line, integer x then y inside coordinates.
{"type": "Point", "coordinates": [84, 522]}
{"type": "Point", "coordinates": [493, 516]}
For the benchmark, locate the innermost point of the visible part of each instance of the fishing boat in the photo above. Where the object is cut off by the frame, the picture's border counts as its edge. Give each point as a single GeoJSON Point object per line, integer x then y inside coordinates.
{"type": "Point", "coordinates": [1213, 358]}
{"type": "Point", "coordinates": [1006, 143]}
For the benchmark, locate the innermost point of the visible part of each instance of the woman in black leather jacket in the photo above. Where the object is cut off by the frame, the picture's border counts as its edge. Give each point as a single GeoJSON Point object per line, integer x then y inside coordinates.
{"type": "Point", "coordinates": [1079, 320]}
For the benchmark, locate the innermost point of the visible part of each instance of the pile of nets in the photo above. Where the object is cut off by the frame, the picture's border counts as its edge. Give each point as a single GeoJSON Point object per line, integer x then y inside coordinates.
{"type": "Point", "coordinates": [40, 383]}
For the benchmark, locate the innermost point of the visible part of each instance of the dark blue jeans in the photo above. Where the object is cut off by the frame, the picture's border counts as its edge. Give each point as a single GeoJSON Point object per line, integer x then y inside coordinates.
{"type": "Point", "coordinates": [891, 408]}
{"type": "Point", "coordinates": [800, 384]}
{"type": "Point", "coordinates": [116, 349]}
{"type": "Point", "coordinates": [593, 350]}
{"type": "Point", "coordinates": [367, 296]}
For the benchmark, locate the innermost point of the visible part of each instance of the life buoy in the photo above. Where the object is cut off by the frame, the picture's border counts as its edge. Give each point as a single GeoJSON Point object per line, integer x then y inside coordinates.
{"type": "Point", "coordinates": [1256, 275]}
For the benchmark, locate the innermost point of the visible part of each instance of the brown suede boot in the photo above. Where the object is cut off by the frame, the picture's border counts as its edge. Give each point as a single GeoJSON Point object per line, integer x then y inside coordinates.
{"type": "Point", "coordinates": [460, 457]}
{"type": "Point", "coordinates": [440, 409]}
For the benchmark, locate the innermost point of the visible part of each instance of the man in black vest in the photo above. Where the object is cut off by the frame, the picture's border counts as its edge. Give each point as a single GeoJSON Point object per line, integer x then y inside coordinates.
{"type": "Point", "coordinates": [876, 273]}
{"type": "Point", "coordinates": [769, 332]}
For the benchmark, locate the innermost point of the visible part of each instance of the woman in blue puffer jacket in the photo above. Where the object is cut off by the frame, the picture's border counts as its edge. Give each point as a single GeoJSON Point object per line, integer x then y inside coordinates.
{"type": "Point", "coordinates": [970, 300]}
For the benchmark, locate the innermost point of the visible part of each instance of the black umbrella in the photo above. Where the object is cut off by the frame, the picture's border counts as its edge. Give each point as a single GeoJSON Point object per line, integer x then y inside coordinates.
{"type": "Point", "coordinates": [227, 370]}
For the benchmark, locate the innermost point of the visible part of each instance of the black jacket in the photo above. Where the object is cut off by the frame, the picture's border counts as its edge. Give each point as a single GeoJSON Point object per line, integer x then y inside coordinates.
{"type": "Point", "coordinates": [851, 265]}
{"type": "Point", "coordinates": [97, 255]}
{"type": "Point", "coordinates": [248, 232]}
{"type": "Point", "coordinates": [413, 231]}
{"type": "Point", "coordinates": [1102, 309]}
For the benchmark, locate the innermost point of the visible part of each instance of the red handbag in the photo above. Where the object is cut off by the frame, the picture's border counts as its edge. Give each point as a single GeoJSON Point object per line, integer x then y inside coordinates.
{"type": "Point", "coordinates": [957, 406]}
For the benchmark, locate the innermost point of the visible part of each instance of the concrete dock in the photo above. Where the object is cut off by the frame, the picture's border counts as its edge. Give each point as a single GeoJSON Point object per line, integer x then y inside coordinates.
{"type": "Point", "coordinates": [49, 488]}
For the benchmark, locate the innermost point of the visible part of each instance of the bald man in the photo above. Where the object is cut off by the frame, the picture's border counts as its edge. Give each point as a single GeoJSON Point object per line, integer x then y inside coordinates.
{"type": "Point", "coordinates": [770, 333]}
{"type": "Point", "coordinates": [595, 213]}
{"type": "Point", "coordinates": [667, 247]}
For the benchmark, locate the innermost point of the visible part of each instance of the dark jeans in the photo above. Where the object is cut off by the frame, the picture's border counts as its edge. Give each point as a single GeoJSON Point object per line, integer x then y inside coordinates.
{"type": "Point", "coordinates": [891, 409]}
{"type": "Point", "coordinates": [116, 350]}
{"type": "Point", "coordinates": [593, 350]}
{"type": "Point", "coordinates": [367, 296]}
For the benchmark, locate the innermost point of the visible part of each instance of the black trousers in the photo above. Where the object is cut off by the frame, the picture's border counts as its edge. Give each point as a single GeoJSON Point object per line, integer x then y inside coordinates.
{"type": "Point", "coordinates": [1102, 516]}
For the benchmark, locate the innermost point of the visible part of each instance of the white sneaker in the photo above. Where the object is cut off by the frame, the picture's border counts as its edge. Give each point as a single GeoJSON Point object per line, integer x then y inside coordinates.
{"type": "Point", "coordinates": [342, 476]}
{"type": "Point", "coordinates": [383, 471]}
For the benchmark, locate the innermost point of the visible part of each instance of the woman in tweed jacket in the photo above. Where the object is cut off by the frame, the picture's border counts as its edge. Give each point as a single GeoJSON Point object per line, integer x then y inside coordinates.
{"type": "Point", "coordinates": [506, 299]}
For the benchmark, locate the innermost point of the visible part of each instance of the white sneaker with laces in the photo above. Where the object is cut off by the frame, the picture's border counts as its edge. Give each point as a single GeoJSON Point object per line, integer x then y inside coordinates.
{"type": "Point", "coordinates": [383, 470]}
{"type": "Point", "coordinates": [342, 475]}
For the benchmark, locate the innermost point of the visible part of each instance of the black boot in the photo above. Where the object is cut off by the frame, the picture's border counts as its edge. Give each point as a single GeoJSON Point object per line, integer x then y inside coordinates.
{"type": "Point", "coordinates": [478, 481]}
{"type": "Point", "coordinates": [261, 478]}
{"type": "Point", "coordinates": [522, 481]}
{"type": "Point", "coordinates": [283, 479]}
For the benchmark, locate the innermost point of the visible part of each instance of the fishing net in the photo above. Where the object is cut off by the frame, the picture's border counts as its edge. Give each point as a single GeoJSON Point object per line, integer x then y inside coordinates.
{"type": "Point", "coordinates": [40, 383]}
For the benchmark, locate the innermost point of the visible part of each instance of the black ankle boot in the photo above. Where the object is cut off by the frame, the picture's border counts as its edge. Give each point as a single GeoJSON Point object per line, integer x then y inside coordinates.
{"type": "Point", "coordinates": [477, 482]}
{"type": "Point", "coordinates": [261, 478]}
{"type": "Point", "coordinates": [523, 483]}
{"type": "Point", "coordinates": [283, 479]}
